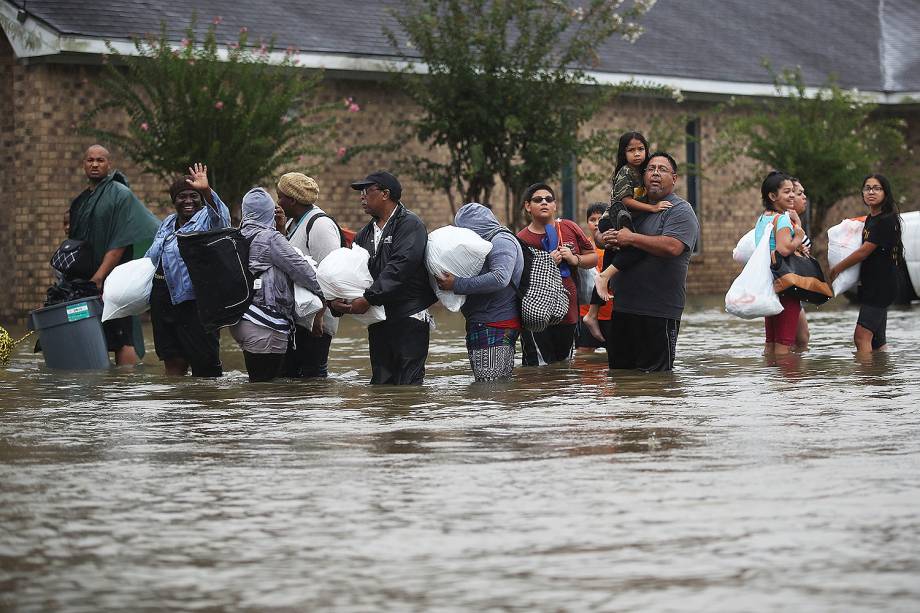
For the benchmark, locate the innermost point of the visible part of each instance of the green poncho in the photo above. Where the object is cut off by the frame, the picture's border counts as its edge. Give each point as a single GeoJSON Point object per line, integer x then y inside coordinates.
{"type": "Point", "coordinates": [109, 217]}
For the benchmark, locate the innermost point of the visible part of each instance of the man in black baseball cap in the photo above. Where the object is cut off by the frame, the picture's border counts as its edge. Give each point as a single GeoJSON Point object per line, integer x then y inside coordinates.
{"type": "Point", "coordinates": [396, 238]}
{"type": "Point", "coordinates": [382, 179]}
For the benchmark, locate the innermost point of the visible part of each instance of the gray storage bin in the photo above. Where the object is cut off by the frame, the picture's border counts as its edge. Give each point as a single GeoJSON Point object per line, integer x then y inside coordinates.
{"type": "Point", "coordinates": [71, 334]}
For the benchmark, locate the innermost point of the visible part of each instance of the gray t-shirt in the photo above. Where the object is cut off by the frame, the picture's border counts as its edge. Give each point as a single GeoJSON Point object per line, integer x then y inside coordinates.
{"type": "Point", "coordinates": [657, 286]}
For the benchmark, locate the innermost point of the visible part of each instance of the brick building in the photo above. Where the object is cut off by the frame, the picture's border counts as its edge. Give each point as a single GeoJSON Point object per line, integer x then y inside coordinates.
{"type": "Point", "coordinates": [50, 55]}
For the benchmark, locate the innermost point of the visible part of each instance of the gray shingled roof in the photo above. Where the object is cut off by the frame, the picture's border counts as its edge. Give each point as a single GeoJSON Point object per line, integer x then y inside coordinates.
{"type": "Point", "coordinates": [872, 45]}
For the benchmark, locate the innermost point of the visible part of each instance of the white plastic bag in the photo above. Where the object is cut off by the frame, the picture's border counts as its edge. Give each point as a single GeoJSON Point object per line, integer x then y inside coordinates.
{"type": "Point", "coordinates": [459, 251]}
{"type": "Point", "coordinates": [745, 247]}
{"type": "Point", "coordinates": [751, 294]}
{"type": "Point", "coordinates": [127, 289]}
{"type": "Point", "coordinates": [344, 274]}
{"type": "Point", "coordinates": [910, 238]}
{"type": "Point", "coordinates": [842, 240]}
{"type": "Point", "coordinates": [306, 303]}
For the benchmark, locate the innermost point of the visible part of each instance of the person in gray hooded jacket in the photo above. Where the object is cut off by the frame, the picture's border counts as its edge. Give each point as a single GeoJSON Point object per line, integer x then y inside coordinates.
{"type": "Point", "coordinates": [263, 331]}
{"type": "Point", "coordinates": [491, 308]}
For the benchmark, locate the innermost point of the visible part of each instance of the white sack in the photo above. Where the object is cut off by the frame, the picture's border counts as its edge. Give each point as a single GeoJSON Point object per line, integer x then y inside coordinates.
{"type": "Point", "coordinates": [459, 251]}
{"type": "Point", "coordinates": [751, 294]}
{"type": "Point", "coordinates": [910, 238]}
{"type": "Point", "coordinates": [306, 303]}
{"type": "Point", "coordinates": [745, 247]}
{"type": "Point", "coordinates": [842, 240]}
{"type": "Point", "coordinates": [127, 289]}
{"type": "Point", "coordinates": [344, 274]}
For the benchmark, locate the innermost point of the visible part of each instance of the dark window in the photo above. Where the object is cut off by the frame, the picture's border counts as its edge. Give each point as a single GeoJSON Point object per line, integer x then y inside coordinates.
{"type": "Point", "coordinates": [569, 206]}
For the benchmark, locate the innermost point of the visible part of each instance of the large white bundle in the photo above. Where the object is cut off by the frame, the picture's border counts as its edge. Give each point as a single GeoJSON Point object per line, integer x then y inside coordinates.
{"type": "Point", "coordinates": [459, 251]}
{"type": "Point", "coordinates": [910, 237]}
{"type": "Point", "coordinates": [842, 240]}
{"type": "Point", "coordinates": [751, 294]}
{"type": "Point", "coordinates": [344, 274]}
{"type": "Point", "coordinates": [745, 247]}
{"type": "Point", "coordinates": [306, 303]}
{"type": "Point", "coordinates": [127, 289]}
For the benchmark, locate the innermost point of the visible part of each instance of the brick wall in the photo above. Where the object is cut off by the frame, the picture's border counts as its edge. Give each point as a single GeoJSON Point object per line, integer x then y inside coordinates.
{"type": "Point", "coordinates": [42, 104]}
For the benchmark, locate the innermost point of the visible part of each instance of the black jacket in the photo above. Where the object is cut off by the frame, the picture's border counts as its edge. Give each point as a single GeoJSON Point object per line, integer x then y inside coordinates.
{"type": "Point", "coordinates": [400, 278]}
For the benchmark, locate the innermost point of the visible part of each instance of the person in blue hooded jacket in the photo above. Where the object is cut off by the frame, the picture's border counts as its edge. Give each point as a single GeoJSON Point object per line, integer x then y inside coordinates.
{"type": "Point", "coordinates": [493, 321]}
{"type": "Point", "coordinates": [265, 328]}
{"type": "Point", "coordinates": [178, 335]}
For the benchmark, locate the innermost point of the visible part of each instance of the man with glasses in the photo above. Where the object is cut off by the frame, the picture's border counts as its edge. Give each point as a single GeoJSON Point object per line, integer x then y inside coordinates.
{"type": "Point", "coordinates": [649, 297]}
{"type": "Point", "coordinates": [396, 238]}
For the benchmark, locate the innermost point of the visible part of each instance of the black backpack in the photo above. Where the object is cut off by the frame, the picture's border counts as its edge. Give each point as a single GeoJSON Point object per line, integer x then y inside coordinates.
{"type": "Point", "coordinates": [74, 260]}
{"type": "Point", "coordinates": [218, 265]}
{"type": "Point", "coordinates": [343, 240]}
{"type": "Point", "coordinates": [542, 299]}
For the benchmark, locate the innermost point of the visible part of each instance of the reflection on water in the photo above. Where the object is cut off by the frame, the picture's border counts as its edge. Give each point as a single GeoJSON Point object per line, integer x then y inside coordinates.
{"type": "Point", "coordinates": [737, 482]}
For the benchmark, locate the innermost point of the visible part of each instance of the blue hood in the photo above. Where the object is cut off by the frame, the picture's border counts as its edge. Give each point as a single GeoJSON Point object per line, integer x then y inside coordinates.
{"type": "Point", "coordinates": [259, 208]}
{"type": "Point", "coordinates": [477, 218]}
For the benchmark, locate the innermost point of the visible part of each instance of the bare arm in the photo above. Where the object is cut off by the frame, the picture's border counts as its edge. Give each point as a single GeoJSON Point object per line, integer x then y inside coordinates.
{"type": "Point", "coordinates": [109, 261]}
{"type": "Point", "coordinates": [661, 246]}
{"type": "Point", "coordinates": [634, 205]}
{"type": "Point", "coordinates": [786, 244]}
{"type": "Point", "coordinates": [853, 259]}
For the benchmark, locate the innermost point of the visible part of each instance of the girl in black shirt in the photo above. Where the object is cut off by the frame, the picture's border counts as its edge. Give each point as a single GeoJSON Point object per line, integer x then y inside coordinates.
{"type": "Point", "coordinates": [879, 254]}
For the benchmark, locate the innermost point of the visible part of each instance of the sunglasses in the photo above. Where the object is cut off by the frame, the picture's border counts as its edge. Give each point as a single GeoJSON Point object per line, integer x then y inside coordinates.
{"type": "Point", "coordinates": [539, 199]}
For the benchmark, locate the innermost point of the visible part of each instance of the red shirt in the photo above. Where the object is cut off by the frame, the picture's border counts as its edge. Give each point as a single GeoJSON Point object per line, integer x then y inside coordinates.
{"type": "Point", "coordinates": [572, 234]}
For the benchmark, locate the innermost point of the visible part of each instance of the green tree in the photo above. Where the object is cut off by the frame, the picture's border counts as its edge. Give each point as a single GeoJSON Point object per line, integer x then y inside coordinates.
{"type": "Point", "coordinates": [502, 88]}
{"type": "Point", "coordinates": [240, 113]}
{"type": "Point", "coordinates": [830, 140]}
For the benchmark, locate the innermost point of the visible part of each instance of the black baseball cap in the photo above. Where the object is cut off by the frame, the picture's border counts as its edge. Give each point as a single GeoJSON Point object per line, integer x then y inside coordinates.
{"type": "Point", "coordinates": [383, 179]}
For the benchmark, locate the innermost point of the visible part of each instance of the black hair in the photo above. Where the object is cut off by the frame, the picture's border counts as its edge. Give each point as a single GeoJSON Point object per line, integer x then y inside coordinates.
{"type": "Point", "coordinates": [529, 192]}
{"type": "Point", "coordinates": [662, 154]}
{"type": "Point", "coordinates": [624, 143]}
{"type": "Point", "coordinates": [595, 208]}
{"type": "Point", "coordinates": [889, 205]}
{"type": "Point", "coordinates": [771, 185]}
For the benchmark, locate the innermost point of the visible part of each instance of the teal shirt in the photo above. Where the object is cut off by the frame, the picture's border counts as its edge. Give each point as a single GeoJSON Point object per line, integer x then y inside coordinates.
{"type": "Point", "coordinates": [782, 221]}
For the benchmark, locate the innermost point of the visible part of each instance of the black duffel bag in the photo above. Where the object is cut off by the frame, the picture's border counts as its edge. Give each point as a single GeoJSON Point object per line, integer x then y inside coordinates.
{"type": "Point", "coordinates": [74, 260]}
{"type": "Point", "coordinates": [218, 265]}
{"type": "Point", "coordinates": [800, 276]}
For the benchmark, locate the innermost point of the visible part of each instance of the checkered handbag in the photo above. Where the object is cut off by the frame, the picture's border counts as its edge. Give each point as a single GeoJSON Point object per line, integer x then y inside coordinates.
{"type": "Point", "coordinates": [74, 260]}
{"type": "Point", "coordinates": [544, 301]}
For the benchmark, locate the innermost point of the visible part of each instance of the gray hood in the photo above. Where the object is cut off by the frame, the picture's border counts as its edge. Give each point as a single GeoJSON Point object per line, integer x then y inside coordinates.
{"type": "Point", "coordinates": [477, 218]}
{"type": "Point", "coordinates": [259, 208]}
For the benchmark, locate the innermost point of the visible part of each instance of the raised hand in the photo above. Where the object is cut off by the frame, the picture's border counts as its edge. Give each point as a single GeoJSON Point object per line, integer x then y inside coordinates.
{"type": "Point", "coordinates": [199, 177]}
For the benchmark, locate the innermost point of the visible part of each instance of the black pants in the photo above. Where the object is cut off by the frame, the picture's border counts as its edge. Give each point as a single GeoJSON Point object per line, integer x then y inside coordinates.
{"type": "Point", "coordinates": [307, 355]}
{"type": "Point", "coordinates": [398, 350]}
{"type": "Point", "coordinates": [263, 366]}
{"type": "Point", "coordinates": [178, 333]}
{"type": "Point", "coordinates": [642, 342]}
{"type": "Point", "coordinates": [552, 345]}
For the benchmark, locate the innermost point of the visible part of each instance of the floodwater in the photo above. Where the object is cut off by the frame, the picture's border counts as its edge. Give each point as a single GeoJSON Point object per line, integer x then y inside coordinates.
{"type": "Point", "coordinates": [733, 484]}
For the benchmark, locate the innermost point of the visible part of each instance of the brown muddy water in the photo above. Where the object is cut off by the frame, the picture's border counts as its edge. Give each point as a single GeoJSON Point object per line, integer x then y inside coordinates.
{"type": "Point", "coordinates": [733, 484]}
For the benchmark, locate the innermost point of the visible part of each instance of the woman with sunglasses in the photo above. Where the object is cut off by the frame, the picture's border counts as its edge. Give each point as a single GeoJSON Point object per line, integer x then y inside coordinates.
{"type": "Point", "coordinates": [878, 281]}
{"type": "Point", "coordinates": [570, 249]}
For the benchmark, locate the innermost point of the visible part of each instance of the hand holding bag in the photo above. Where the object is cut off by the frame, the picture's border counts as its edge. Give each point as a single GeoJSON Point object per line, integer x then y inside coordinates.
{"type": "Point", "coordinates": [751, 295]}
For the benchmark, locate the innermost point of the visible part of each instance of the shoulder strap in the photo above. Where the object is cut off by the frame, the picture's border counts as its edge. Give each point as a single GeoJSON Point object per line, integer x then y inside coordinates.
{"type": "Point", "coordinates": [313, 221]}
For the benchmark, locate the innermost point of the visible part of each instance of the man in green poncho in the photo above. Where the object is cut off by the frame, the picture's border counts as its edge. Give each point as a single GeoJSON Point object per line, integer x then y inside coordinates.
{"type": "Point", "coordinates": [118, 227]}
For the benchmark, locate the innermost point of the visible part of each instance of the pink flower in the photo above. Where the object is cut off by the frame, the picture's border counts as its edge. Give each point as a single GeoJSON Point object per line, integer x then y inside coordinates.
{"type": "Point", "coordinates": [300, 158]}
{"type": "Point", "coordinates": [243, 30]}
{"type": "Point", "coordinates": [341, 152]}
{"type": "Point", "coordinates": [217, 20]}
{"type": "Point", "coordinates": [186, 42]}
{"type": "Point", "coordinates": [353, 108]}
{"type": "Point", "coordinates": [263, 49]}
{"type": "Point", "coordinates": [219, 105]}
{"type": "Point", "coordinates": [145, 127]}
{"type": "Point", "coordinates": [289, 50]}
